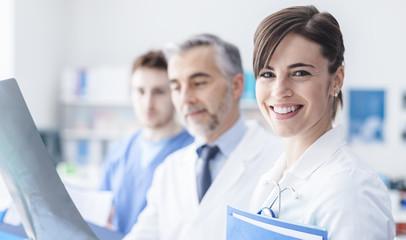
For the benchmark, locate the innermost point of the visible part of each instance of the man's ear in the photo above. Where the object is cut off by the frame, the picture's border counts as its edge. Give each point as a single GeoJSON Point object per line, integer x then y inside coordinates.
{"type": "Point", "coordinates": [338, 80]}
{"type": "Point", "coordinates": [237, 85]}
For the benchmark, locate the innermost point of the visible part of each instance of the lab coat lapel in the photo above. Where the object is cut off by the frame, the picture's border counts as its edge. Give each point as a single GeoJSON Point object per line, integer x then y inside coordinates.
{"type": "Point", "coordinates": [234, 168]}
{"type": "Point", "coordinates": [231, 172]}
{"type": "Point", "coordinates": [187, 179]}
{"type": "Point", "coordinates": [266, 187]}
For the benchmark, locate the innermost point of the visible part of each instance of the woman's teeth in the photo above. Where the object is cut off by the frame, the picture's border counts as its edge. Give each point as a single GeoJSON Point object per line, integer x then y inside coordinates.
{"type": "Point", "coordinates": [285, 110]}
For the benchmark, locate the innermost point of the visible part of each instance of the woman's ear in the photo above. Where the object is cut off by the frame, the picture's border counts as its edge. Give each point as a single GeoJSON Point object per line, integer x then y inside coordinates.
{"type": "Point", "coordinates": [237, 86]}
{"type": "Point", "coordinates": [338, 80]}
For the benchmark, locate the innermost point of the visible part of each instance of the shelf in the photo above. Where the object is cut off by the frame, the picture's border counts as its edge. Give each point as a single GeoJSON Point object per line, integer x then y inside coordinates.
{"type": "Point", "coordinates": [87, 134]}
{"type": "Point", "coordinates": [96, 103]}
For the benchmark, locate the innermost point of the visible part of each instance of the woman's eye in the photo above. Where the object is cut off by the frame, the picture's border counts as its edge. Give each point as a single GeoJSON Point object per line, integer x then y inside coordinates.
{"type": "Point", "coordinates": [267, 75]}
{"type": "Point", "coordinates": [301, 73]}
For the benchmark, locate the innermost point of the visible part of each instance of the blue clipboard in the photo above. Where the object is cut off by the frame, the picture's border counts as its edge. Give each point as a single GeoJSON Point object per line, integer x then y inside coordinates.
{"type": "Point", "coordinates": [242, 225]}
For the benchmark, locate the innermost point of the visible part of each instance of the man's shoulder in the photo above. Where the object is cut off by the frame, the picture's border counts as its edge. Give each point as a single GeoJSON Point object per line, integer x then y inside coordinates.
{"type": "Point", "coordinates": [259, 146]}
{"type": "Point", "coordinates": [179, 154]}
{"type": "Point", "coordinates": [182, 139]}
{"type": "Point", "coordinates": [177, 162]}
{"type": "Point", "coordinates": [119, 147]}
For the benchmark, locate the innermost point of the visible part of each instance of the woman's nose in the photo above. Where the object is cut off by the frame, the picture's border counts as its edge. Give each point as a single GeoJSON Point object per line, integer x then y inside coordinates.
{"type": "Point", "coordinates": [282, 88]}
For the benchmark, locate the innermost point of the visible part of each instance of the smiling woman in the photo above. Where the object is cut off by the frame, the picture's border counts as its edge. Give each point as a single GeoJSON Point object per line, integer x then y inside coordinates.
{"type": "Point", "coordinates": [7, 39]}
{"type": "Point", "coordinates": [298, 64]}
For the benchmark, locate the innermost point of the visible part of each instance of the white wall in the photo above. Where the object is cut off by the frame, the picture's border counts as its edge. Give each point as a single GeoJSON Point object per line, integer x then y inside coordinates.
{"type": "Point", "coordinates": [40, 47]}
{"type": "Point", "coordinates": [7, 39]}
{"type": "Point", "coordinates": [51, 35]}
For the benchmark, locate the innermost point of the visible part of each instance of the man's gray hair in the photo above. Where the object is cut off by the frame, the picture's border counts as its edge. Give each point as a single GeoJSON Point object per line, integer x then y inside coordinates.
{"type": "Point", "coordinates": [227, 55]}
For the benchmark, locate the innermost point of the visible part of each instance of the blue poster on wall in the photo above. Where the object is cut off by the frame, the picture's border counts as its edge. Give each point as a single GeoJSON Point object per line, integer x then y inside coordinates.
{"type": "Point", "coordinates": [249, 86]}
{"type": "Point", "coordinates": [367, 115]}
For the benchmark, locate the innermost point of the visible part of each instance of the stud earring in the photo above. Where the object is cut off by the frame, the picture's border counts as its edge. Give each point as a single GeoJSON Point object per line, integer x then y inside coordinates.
{"type": "Point", "coordinates": [336, 94]}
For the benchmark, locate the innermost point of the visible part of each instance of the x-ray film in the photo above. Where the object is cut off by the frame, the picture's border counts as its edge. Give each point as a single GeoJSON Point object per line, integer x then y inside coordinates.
{"type": "Point", "coordinates": [45, 208]}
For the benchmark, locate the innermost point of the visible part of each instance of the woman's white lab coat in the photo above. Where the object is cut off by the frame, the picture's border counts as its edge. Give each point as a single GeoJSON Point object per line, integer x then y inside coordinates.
{"type": "Point", "coordinates": [335, 189]}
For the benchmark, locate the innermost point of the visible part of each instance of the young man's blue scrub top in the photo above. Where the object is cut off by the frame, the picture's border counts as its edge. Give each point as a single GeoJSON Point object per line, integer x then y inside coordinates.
{"type": "Point", "coordinates": [128, 171]}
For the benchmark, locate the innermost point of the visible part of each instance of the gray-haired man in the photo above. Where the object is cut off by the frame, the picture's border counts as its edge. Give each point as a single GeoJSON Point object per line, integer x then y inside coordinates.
{"type": "Point", "coordinates": [192, 188]}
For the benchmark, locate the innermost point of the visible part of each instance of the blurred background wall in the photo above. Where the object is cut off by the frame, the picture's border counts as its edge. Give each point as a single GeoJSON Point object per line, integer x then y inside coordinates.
{"type": "Point", "coordinates": [43, 38]}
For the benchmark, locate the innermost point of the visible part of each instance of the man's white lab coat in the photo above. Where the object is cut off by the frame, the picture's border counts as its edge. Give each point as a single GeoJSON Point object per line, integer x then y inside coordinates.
{"type": "Point", "coordinates": [173, 211]}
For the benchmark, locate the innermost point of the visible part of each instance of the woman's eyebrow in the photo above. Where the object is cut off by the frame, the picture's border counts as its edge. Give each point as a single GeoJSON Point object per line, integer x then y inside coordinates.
{"type": "Point", "coordinates": [295, 65]}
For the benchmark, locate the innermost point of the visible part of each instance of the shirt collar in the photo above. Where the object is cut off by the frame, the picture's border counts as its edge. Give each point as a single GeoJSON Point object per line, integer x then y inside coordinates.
{"type": "Point", "coordinates": [229, 140]}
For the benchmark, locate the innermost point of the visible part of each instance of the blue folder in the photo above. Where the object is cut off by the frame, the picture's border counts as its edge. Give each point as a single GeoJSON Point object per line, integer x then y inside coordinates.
{"type": "Point", "coordinates": [9, 236]}
{"type": "Point", "coordinates": [242, 225]}
{"type": "Point", "coordinates": [10, 232]}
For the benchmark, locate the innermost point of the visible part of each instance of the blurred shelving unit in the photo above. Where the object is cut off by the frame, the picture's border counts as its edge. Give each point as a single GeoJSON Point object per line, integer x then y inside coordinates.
{"type": "Point", "coordinates": [87, 121]}
{"type": "Point", "coordinates": [95, 111]}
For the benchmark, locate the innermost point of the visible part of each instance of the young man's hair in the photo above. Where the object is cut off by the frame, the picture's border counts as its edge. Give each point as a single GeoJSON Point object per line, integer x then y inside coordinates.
{"type": "Point", "coordinates": [152, 59]}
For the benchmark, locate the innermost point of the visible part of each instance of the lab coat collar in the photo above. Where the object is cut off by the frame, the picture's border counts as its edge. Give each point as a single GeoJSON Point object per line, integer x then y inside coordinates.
{"type": "Point", "coordinates": [319, 152]}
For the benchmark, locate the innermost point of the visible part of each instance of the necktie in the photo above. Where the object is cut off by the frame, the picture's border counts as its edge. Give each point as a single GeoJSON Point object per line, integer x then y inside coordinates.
{"type": "Point", "coordinates": [206, 153]}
